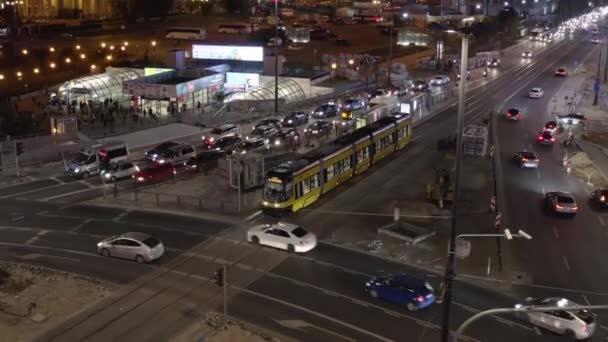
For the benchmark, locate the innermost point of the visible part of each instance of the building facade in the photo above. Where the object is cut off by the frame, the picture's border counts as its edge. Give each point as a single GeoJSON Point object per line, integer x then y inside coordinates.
{"type": "Point", "coordinates": [65, 8]}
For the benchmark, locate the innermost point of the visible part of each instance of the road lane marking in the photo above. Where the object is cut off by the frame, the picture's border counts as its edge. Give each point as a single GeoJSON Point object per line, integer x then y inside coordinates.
{"type": "Point", "coordinates": [543, 190]}
{"type": "Point", "coordinates": [601, 220]}
{"type": "Point", "coordinates": [36, 237]}
{"type": "Point", "coordinates": [30, 191]}
{"type": "Point", "coordinates": [586, 299]}
{"type": "Point", "coordinates": [42, 212]}
{"type": "Point", "coordinates": [360, 302]}
{"type": "Point", "coordinates": [391, 313]}
{"type": "Point", "coordinates": [566, 262]}
{"type": "Point", "coordinates": [68, 194]}
{"type": "Point", "coordinates": [57, 180]}
{"type": "Point", "coordinates": [537, 331]}
{"type": "Point", "coordinates": [121, 215]}
{"type": "Point", "coordinates": [80, 225]}
{"type": "Point", "coordinates": [555, 232]}
{"type": "Point", "coordinates": [87, 184]}
{"type": "Point", "coordinates": [603, 294]}
{"type": "Point", "coordinates": [18, 218]}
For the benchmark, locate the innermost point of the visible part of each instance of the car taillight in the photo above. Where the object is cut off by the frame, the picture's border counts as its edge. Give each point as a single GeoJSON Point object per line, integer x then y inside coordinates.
{"type": "Point", "coordinates": [540, 138]}
{"type": "Point", "coordinates": [575, 207]}
{"type": "Point", "coordinates": [420, 299]}
{"type": "Point", "coordinates": [524, 159]}
{"type": "Point", "coordinates": [603, 198]}
{"type": "Point", "coordinates": [552, 139]}
{"type": "Point", "coordinates": [559, 206]}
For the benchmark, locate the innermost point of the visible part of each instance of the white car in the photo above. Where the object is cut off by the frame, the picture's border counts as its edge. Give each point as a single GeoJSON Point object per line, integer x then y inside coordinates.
{"type": "Point", "coordinates": [577, 324]}
{"type": "Point", "coordinates": [140, 247]}
{"type": "Point", "coordinates": [439, 80]}
{"type": "Point", "coordinates": [595, 41]}
{"type": "Point", "coordinates": [121, 169]}
{"type": "Point", "coordinates": [287, 236]}
{"type": "Point", "coordinates": [526, 54]}
{"type": "Point", "coordinates": [536, 93]}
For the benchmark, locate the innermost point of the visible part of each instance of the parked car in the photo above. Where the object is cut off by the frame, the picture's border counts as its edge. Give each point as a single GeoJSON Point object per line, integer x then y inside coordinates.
{"type": "Point", "coordinates": [439, 80]}
{"type": "Point", "coordinates": [269, 122]}
{"type": "Point", "coordinates": [319, 128]}
{"type": "Point", "coordinates": [218, 132]}
{"type": "Point", "coordinates": [176, 155]}
{"type": "Point", "coordinates": [325, 111]}
{"type": "Point", "coordinates": [139, 247]}
{"type": "Point", "coordinates": [155, 173]}
{"type": "Point", "coordinates": [379, 93]}
{"type": "Point", "coordinates": [576, 323]}
{"type": "Point", "coordinates": [599, 198]}
{"type": "Point", "coordinates": [404, 290]}
{"type": "Point", "coordinates": [295, 119]}
{"type": "Point", "coordinates": [156, 151]}
{"type": "Point", "coordinates": [342, 42]}
{"type": "Point", "coordinates": [206, 159]}
{"type": "Point", "coordinates": [353, 104]}
{"type": "Point", "coordinates": [119, 170]}
{"type": "Point", "coordinates": [572, 119]}
{"type": "Point", "coordinates": [249, 145]}
{"type": "Point", "coordinates": [287, 236]}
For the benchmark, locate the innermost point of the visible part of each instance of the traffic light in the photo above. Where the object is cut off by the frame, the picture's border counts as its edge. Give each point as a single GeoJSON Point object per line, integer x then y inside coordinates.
{"type": "Point", "coordinates": [218, 277]}
{"type": "Point", "coordinates": [19, 148]}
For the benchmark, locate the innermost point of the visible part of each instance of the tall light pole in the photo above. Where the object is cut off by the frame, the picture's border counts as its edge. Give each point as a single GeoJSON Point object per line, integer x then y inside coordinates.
{"type": "Point", "coordinates": [276, 57]}
{"type": "Point", "coordinates": [596, 86]}
{"type": "Point", "coordinates": [450, 268]}
{"type": "Point", "coordinates": [606, 65]}
{"type": "Point", "coordinates": [390, 45]}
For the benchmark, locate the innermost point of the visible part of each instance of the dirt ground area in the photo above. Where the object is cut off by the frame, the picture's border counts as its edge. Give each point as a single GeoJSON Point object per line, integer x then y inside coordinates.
{"type": "Point", "coordinates": [34, 299]}
{"type": "Point", "coordinates": [583, 168]}
{"type": "Point", "coordinates": [210, 330]}
{"type": "Point", "coordinates": [599, 138]}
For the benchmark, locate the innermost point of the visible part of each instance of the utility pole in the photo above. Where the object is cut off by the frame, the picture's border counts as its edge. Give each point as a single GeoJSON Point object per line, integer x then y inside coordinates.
{"type": "Point", "coordinates": [606, 65]}
{"type": "Point", "coordinates": [276, 57]}
{"type": "Point", "coordinates": [220, 279]}
{"type": "Point", "coordinates": [596, 86]}
{"type": "Point", "coordinates": [390, 45]}
{"type": "Point", "coordinates": [448, 281]}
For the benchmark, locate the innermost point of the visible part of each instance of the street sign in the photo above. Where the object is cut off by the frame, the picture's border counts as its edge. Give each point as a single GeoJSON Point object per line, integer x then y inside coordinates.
{"type": "Point", "coordinates": [498, 219]}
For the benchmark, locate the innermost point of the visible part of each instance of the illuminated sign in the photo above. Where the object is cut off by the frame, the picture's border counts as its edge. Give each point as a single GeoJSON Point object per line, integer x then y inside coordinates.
{"type": "Point", "coordinates": [154, 71]}
{"type": "Point", "coordinates": [228, 53]}
{"type": "Point", "coordinates": [242, 80]}
{"type": "Point", "coordinates": [275, 180]}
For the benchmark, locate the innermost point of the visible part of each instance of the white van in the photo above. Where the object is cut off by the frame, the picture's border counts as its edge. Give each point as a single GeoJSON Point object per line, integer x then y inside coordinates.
{"type": "Point", "coordinates": [93, 160]}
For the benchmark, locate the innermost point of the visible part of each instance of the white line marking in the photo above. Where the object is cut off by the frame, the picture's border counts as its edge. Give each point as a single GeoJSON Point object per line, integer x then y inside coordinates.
{"type": "Point", "coordinates": [537, 331]}
{"type": "Point", "coordinates": [121, 215]}
{"type": "Point", "coordinates": [566, 262]}
{"type": "Point", "coordinates": [359, 302]}
{"type": "Point", "coordinates": [66, 206]}
{"type": "Point", "coordinates": [543, 190]}
{"type": "Point", "coordinates": [36, 237]}
{"type": "Point", "coordinates": [586, 299]}
{"type": "Point", "coordinates": [18, 218]}
{"type": "Point", "coordinates": [603, 327]}
{"type": "Point", "coordinates": [555, 232]}
{"type": "Point", "coordinates": [601, 220]}
{"type": "Point", "coordinates": [392, 314]}
{"type": "Point", "coordinates": [85, 183]}
{"type": "Point", "coordinates": [42, 212]}
{"type": "Point", "coordinates": [68, 194]}
{"type": "Point", "coordinates": [30, 191]}
{"type": "Point", "coordinates": [80, 225]}
{"type": "Point", "coordinates": [57, 180]}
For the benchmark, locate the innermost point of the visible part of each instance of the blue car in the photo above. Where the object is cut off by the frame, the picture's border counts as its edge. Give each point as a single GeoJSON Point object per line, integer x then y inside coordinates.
{"type": "Point", "coordinates": [403, 290]}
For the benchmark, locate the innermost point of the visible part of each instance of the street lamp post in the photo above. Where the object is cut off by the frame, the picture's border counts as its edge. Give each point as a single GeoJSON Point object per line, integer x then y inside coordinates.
{"type": "Point", "coordinates": [449, 270]}
{"type": "Point", "coordinates": [276, 57]}
{"type": "Point", "coordinates": [390, 45]}
{"type": "Point", "coordinates": [596, 86]}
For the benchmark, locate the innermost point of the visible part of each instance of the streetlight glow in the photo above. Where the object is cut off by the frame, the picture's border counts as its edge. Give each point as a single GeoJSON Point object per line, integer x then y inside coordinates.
{"type": "Point", "coordinates": [125, 43]}
{"type": "Point", "coordinates": [153, 43]}
{"type": "Point", "coordinates": [1, 77]}
{"type": "Point", "coordinates": [103, 45]}
{"type": "Point", "coordinates": [36, 71]}
{"type": "Point", "coordinates": [93, 67]}
{"type": "Point", "coordinates": [334, 65]}
{"type": "Point", "coordinates": [83, 56]}
{"type": "Point", "coordinates": [52, 65]}
{"type": "Point", "coordinates": [24, 52]}
{"type": "Point", "coordinates": [77, 47]}
{"type": "Point", "coordinates": [109, 57]}
{"type": "Point", "coordinates": [405, 15]}
{"type": "Point", "coordinates": [111, 47]}
{"type": "Point", "coordinates": [68, 60]}
{"type": "Point", "coordinates": [478, 6]}
{"type": "Point", "coordinates": [52, 49]}
{"type": "Point", "coordinates": [122, 48]}
{"type": "Point", "coordinates": [19, 74]}
{"type": "Point", "coordinates": [351, 61]}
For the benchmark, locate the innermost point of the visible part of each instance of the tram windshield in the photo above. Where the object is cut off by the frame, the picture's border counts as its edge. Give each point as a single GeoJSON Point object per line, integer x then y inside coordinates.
{"type": "Point", "coordinates": [277, 189]}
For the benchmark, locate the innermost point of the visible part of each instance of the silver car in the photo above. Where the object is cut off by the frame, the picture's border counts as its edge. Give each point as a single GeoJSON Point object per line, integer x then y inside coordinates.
{"type": "Point", "coordinates": [561, 202]}
{"type": "Point", "coordinates": [288, 236]}
{"type": "Point", "coordinates": [140, 247]}
{"type": "Point", "coordinates": [577, 324]}
{"type": "Point", "coordinates": [116, 171]}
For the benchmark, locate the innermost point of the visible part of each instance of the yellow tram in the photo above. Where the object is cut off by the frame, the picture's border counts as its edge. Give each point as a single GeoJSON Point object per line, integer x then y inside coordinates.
{"type": "Point", "coordinates": [297, 184]}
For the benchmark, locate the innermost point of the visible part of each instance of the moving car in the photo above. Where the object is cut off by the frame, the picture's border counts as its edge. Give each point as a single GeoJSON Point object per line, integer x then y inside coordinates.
{"type": "Point", "coordinates": [468, 74]}
{"type": "Point", "coordinates": [250, 144]}
{"type": "Point", "coordinates": [494, 63]}
{"type": "Point", "coordinates": [576, 324]}
{"type": "Point", "coordinates": [599, 198]}
{"type": "Point", "coordinates": [378, 93]}
{"type": "Point", "coordinates": [205, 159]}
{"type": "Point", "coordinates": [546, 138]}
{"type": "Point", "coordinates": [226, 144]}
{"type": "Point", "coordinates": [319, 128]}
{"type": "Point", "coordinates": [287, 236]}
{"type": "Point", "coordinates": [263, 132]}
{"type": "Point", "coordinates": [439, 80]}
{"type": "Point", "coordinates": [513, 114]}
{"type": "Point", "coordinates": [295, 119]}
{"type": "Point", "coordinates": [572, 119]}
{"type": "Point", "coordinates": [156, 151]}
{"type": "Point", "coordinates": [325, 111]}
{"type": "Point", "coordinates": [176, 155]}
{"type": "Point", "coordinates": [118, 170]}
{"type": "Point", "coordinates": [551, 126]}
{"type": "Point", "coordinates": [536, 93]}
{"type": "Point", "coordinates": [155, 173]}
{"type": "Point", "coordinates": [561, 202]}
{"type": "Point", "coordinates": [526, 54]}
{"type": "Point", "coordinates": [420, 85]}
{"type": "Point", "coordinates": [219, 132]}
{"type": "Point", "coordinates": [595, 41]}
{"type": "Point", "coordinates": [269, 122]}
{"type": "Point", "coordinates": [139, 247]}
{"type": "Point", "coordinates": [353, 104]}
{"type": "Point", "coordinates": [526, 159]}
{"type": "Point", "coordinates": [285, 137]}
{"type": "Point", "coordinates": [561, 72]}
{"type": "Point", "coordinates": [403, 290]}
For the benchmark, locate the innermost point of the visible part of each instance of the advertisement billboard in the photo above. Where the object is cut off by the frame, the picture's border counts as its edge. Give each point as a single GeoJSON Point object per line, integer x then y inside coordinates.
{"type": "Point", "coordinates": [228, 52]}
{"type": "Point", "coordinates": [242, 80]}
{"type": "Point", "coordinates": [153, 71]}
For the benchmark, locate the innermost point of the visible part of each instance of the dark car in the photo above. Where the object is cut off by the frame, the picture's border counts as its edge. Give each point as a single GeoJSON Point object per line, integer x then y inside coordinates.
{"type": "Point", "coordinates": [204, 160]}
{"type": "Point", "coordinates": [155, 173]}
{"type": "Point", "coordinates": [285, 137]}
{"type": "Point", "coordinates": [160, 149]}
{"type": "Point", "coordinates": [319, 128]}
{"type": "Point", "coordinates": [325, 111]}
{"type": "Point", "coordinates": [546, 138]}
{"type": "Point", "coordinates": [599, 198]}
{"type": "Point", "coordinates": [353, 104]}
{"type": "Point", "coordinates": [561, 202]}
{"type": "Point", "coordinates": [263, 132]}
{"type": "Point", "coordinates": [250, 145]}
{"type": "Point", "coordinates": [420, 85]}
{"type": "Point", "coordinates": [403, 290]}
{"type": "Point", "coordinates": [342, 42]}
{"type": "Point", "coordinates": [513, 114]}
{"type": "Point", "coordinates": [561, 72]}
{"type": "Point", "coordinates": [269, 122]}
{"type": "Point", "coordinates": [226, 144]}
{"type": "Point", "coordinates": [494, 63]}
{"type": "Point", "coordinates": [295, 119]}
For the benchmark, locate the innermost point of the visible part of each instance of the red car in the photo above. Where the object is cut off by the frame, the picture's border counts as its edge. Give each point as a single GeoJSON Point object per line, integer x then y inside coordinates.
{"type": "Point", "coordinates": [513, 114]}
{"type": "Point", "coordinates": [156, 173]}
{"type": "Point", "coordinates": [561, 72]}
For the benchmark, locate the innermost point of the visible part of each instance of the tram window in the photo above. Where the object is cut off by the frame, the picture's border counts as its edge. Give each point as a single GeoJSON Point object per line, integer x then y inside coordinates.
{"type": "Point", "coordinates": [314, 181]}
{"type": "Point", "coordinates": [346, 164]}
{"type": "Point", "coordinates": [329, 173]}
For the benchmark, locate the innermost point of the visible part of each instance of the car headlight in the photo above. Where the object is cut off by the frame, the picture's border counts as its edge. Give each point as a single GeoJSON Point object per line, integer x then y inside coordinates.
{"type": "Point", "coordinates": [77, 170]}
{"type": "Point", "coordinates": [277, 142]}
{"type": "Point", "coordinates": [265, 203]}
{"type": "Point", "coordinates": [289, 121]}
{"type": "Point", "coordinates": [276, 205]}
{"type": "Point", "coordinates": [107, 175]}
{"type": "Point", "coordinates": [140, 179]}
{"type": "Point", "coordinates": [162, 161]}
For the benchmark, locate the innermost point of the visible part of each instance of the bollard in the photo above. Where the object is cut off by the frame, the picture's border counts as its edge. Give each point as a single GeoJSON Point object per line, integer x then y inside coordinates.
{"type": "Point", "coordinates": [396, 216]}
{"type": "Point", "coordinates": [115, 190]}
{"type": "Point", "coordinates": [157, 200]}
{"type": "Point", "coordinates": [179, 202]}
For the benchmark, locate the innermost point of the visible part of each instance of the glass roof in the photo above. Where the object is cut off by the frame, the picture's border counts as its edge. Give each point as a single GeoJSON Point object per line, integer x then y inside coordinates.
{"type": "Point", "coordinates": [99, 87]}
{"type": "Point", "coordinates": [289, 90]}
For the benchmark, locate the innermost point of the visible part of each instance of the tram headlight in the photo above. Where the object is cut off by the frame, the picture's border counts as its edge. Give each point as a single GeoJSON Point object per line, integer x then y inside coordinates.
{"type": "Point", "coordinates": [265, 203]}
